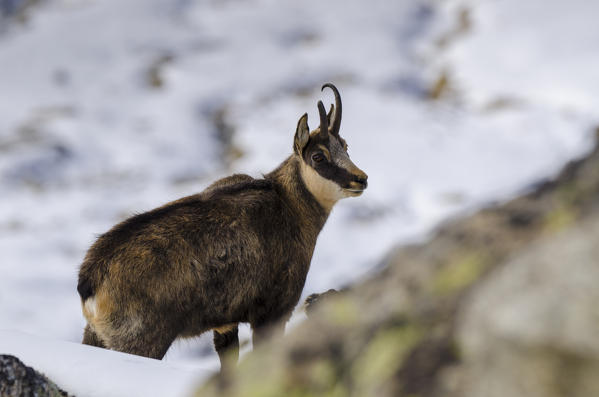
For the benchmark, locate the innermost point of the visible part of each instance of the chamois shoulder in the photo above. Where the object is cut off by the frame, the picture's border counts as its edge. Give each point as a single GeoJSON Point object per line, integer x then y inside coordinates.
{"type": "Point", "coordinates": [229, 181]}
{"type": "Point", "coordinates": [237, 185]}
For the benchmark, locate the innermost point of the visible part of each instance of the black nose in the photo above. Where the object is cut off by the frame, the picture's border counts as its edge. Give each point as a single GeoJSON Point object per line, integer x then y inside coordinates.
{"type": "Point", "coordinates": [362, 180]}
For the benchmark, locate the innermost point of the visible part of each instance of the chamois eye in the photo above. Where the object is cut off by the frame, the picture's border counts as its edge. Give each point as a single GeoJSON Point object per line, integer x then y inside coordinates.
{"type": "Point", "coordinates": [317, 157]}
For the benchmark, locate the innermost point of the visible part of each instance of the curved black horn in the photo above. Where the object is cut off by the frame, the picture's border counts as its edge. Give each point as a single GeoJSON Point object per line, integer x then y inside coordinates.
{"type": "Point", "coordinates": [337, 115]}
{"type": "Point", "coordinates": [324, 124]}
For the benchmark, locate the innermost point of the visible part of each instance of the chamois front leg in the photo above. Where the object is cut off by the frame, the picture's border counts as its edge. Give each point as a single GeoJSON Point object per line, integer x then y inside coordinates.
{"type": "Point", "coordinates": [226, 343]}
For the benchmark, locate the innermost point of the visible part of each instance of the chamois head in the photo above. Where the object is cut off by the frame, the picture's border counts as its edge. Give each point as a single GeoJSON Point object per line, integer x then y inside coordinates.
{"type": "Point", "coordinates": [326, 168]}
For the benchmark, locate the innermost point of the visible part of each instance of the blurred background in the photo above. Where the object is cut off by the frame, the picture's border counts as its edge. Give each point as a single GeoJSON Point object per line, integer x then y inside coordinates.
{"type": "Point", "coordinates": [110, 108]}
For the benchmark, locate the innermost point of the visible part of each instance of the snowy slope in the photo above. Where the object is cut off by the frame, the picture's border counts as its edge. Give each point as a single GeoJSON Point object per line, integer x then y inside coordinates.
{"type": "Point", "coordinates": [542, 52]}
{"type": "Point", "coordinates": [110, 107]}
{"type": "Point", "coordinates": [88, 371]}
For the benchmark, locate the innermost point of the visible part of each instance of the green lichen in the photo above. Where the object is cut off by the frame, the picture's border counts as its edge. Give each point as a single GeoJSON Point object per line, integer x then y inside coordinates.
{"type": "Point", "coordinates": [261, 375]}
{"type": "Point", "coordinates": [322, 374]}
{"type": "Point", "coordinates": [259, 386]}
{"type": "Point", "coordinates": [560, 219]}
{"type": "Point", "coordinates": [317, 378]}
{"type": "Point", "coordinates": [342, 311]}
{"type": "Point", "coordinates": [568, 192]}
{"type": "Point", "coordinates": [460, 273]}
{"type": "Point", "coordinates": [337, 390]}
{"type": "Point", "coordinates": [382, 357]}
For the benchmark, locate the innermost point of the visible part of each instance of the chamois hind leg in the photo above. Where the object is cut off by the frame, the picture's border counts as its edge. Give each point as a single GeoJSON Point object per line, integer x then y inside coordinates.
{"type": "Point", "coordinates": [226, 343]}
{"type": "Point", "coordinates": [91, 338]}
{"type": "Point", "coordinates": [150, 341]}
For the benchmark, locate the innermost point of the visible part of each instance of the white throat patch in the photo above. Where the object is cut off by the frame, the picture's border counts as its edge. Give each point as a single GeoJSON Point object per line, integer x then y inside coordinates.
{"type": "Point", "coordinates": [326, 192]}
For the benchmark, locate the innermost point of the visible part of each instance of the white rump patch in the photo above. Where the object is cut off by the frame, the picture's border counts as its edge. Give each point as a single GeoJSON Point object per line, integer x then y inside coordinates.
{"type": "Point", "coordinates": [89, 307]}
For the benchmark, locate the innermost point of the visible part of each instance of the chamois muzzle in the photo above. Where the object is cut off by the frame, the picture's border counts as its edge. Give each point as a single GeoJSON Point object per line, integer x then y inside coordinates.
{"type": "Point", "coordinates": [359, 182]}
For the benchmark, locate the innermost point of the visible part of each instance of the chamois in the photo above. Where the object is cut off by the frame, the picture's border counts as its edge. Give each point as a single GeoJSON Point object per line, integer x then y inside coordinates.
{"type": "Point", "coordinates": [237, 252]}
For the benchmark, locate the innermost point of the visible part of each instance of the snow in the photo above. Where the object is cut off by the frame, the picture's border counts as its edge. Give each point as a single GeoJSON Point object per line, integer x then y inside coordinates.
{"type": "Point", "coordinates": [89, 371]}
{"type": "Point", "coordinates": [86, 139]}
{"type": "Point", "coordinates": [542, 52]}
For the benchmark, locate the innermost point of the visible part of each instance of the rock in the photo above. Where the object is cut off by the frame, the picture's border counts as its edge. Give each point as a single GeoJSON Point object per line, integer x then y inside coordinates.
{"type": "Point", "coordinates": [531, 328]}
{"type": "Point", "coordinates": [313, 300]}
{"type": "Point", "coordinates": [17, 380]}
{"type": "Point", "coordinates": [502, 302]}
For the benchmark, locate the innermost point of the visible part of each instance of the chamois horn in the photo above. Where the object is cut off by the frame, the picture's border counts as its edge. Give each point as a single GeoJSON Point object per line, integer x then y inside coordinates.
{"type": "Point", "coordinates": [324, 123]}
{"type": "Point", "coordinates": [337, 115]}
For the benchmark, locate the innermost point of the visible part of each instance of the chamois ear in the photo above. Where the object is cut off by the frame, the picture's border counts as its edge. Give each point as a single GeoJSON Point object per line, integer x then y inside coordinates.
{"type": "Point", "coordinates": [302, 134]}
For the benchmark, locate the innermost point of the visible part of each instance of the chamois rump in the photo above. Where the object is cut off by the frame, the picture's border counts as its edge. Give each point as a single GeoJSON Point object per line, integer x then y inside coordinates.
{"type": "Point", "coordinates": [237, 252]}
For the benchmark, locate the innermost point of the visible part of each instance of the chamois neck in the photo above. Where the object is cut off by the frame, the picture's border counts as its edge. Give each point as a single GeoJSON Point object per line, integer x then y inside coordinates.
{"type": "Point", "coordinates": [289, 178]}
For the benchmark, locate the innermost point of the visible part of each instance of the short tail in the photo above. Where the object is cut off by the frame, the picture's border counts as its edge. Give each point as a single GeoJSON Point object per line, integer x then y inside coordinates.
{"type": "Point", "coordinates": [85, 287]}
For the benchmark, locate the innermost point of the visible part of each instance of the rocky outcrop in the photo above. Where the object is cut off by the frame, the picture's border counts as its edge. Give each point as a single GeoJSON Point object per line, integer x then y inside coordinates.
{"type": "Point", "coordinates": [18, 380]}
{"type": "Point", "coordinates": [502, 302]}
{"type": "Point", "coordinates": [531, 328]}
